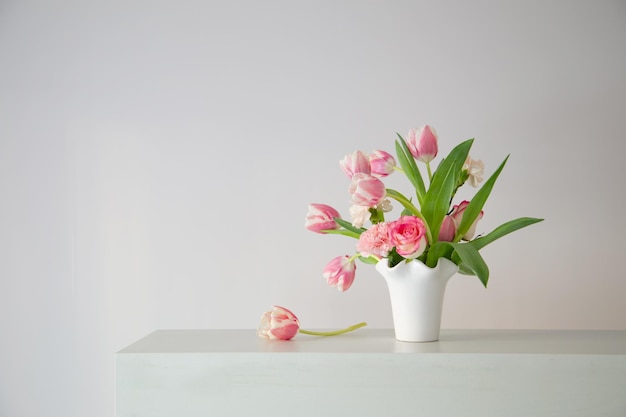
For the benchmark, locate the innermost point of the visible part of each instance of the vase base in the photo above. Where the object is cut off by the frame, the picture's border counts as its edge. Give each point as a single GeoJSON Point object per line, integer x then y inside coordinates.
{"type": "Point", "coordinates": [417, 341]}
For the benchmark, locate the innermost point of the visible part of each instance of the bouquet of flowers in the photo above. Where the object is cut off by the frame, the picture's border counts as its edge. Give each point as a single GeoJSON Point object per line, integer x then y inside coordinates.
{"type": "Point", "coordinates": [430, 225]}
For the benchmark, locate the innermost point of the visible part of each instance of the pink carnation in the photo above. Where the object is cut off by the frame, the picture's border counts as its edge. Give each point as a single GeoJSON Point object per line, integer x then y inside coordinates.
{"type": "Point", "coordinates": [375, 241]}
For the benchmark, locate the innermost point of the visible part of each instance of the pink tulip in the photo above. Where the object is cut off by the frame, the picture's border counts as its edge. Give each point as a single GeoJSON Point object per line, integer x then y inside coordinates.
{"type": "Point", "coordinates": [321, 217]}
{"type": "Point", "coordinates": [366, 190]}
{"type": "Point", "coordinates": [422, 143]}
{"type": "Point", "coordinates": [355, 163]}
{"type": "Point", "coordinates": [457, 215]}
{"type": "Point", "coordinates": [408, 235]}
{"type": "Point", "coordinates": [375, 241]}
{"type": "Point", "coordinates": [448, 229]}
{"type": "Point", "coordinates": [340, 272]}
{"type": "Point", "coordinates": [278, 324]}
{"type": "Point", "coordinates": [382, 163]}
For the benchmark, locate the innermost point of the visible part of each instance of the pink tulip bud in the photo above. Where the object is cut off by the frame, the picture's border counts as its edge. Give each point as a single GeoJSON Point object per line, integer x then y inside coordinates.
{"type": "Point", "coordinates": [448, 229]}
{"type": "Point", "coordinates": [340, 272]}
{"type": "Point", "coordinates": [457, 215]}
{"type": "Point", "coordinates": [408, 236]}
{"type": "Point", "coordinates": [366, 190]}
{"type": "Point", "coordinates": [278, 324]}
{"type": "Point", "coordinates": [354, 163]}
{"type": "Point", "coordinates": [422, 143]}
{"type": "Point", "coordinates": [382, 163]}
{"type": "Point", "coordinates": [321, 217]}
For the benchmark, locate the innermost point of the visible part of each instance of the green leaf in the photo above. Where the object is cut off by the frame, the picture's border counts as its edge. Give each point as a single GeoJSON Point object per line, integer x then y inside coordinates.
{"type": "Point", "coordinates": [471, 260]}
{"type": "Point", "coordinates": [394, 258]}
{"type": "Point", "coordinates": [343, 232]}
{"type": "Point", "coordinates": [400, 198]}
{"type": "Point", "coordinates": [457, 156]}
{"type": "Point", "coordinates": [437, 200]}
{"type": "Point", "coordinates": [463, 269]}
{"type": "Point", "coordinates": [503, 230]}
{"type": "Point", "coordinates": [347, 225]}
{"type": "Point", "coordinates": [368, 260]}
{"type": "Point", "coordinates": [475, 206]}
{"type": "Point", "coordinates": [408, 165]}
{"type": "Point", "coordinates": [436, 251]}
{"type": "Point", "coordinates": [465, 256]}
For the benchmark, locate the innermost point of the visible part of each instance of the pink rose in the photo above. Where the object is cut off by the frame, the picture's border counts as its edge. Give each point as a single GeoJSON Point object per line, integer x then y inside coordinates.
{"type": "Point", "coordinates": [422, 143]}
{"type": "Point", "coordinates": [408, 236]}
{"type": "Point", "coordinates": [279, 324]}
{"type": "Point", "coordinates": [340, 272]}
{"type": "Point", "coordinates": [448, 229]}
{"type": "Point", "coordinates": [375, 241]}
{"type": "Point", "coordinates": [382, 163]}
{"type": "Point", "coordinates": [354, 163]}
{"type": "Point", "coordinates": [321, 217]}
{"type": "Point", "coordinates": [366, 190]}
{"type": "Point", "coordinates": [457, 215]}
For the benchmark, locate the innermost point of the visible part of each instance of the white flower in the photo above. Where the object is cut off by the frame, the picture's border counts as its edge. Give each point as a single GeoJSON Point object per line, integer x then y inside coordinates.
{"type": "Point", "coordinates": [359, 215]}
{"type": "Point", "coordinates": [385, 205]}
{"type": "Point", "coordinates": [475, 170]}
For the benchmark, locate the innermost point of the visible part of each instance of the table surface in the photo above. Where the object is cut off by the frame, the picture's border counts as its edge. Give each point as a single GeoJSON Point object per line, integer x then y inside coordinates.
{"type": "Point", "coordinates": [581, 342]}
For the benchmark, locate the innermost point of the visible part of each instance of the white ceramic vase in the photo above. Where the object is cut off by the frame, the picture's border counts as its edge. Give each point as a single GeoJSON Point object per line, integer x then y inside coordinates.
{"type": "Point", "coordinates": [416, 293]}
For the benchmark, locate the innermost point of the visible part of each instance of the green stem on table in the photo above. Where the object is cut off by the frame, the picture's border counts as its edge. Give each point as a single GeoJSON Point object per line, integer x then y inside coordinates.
{"type": "Point", "coordinates": [334, 332]}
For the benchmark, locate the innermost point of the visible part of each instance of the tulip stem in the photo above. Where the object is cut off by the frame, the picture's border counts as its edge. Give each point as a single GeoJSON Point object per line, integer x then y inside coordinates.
{"type": "Point", "coordinates": [430, 174]}
{"type": "Point", "coordinates": [334, 332]}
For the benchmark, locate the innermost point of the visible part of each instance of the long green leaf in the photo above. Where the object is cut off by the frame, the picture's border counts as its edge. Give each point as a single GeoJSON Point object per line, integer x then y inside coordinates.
{"type": "Point", "coordinates": [436, 251]}
{"type": "Point", "coordinates": [478, 202]}
{"type": "Point", "coordinates": [407, 162]}
{"type": "Point", "coordinates": [437, 200]}
{"type": "Point", "coordinates": [401, 198]}
{"type": "Point", "coordinates": [347, 225]}
{"type": "Point", "coordinates": [457, 156]}
{"type": "Point", "coordinates": [503, 230]}
{"type": "Point", "coordinates": [465, 256]}
{"type": "Point", "coordinates": [472, 261]}
{"type": "Point", "coordinates": [463, 269]}
{"type": "Point", "coordinates": [343, 232]}
{"type": "Point", "coordinates": [406, 166]}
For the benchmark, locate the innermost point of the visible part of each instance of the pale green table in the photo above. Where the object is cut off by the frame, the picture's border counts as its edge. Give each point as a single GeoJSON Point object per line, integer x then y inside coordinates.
{"type": "Point", "coordinates": [500, 373]}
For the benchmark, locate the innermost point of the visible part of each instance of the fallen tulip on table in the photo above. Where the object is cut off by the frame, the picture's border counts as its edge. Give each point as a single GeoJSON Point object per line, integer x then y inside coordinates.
{"type": "Point", "coordinates": [280, 323]}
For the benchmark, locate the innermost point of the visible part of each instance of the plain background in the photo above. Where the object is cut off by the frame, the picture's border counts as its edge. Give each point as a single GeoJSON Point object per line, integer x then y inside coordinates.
{"type": "Point", "coordinates": [157, 159]}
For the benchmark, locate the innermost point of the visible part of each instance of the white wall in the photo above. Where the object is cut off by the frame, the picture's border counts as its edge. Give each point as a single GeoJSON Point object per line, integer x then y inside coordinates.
{"type": "Point", "coordinates": [157, 158]}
